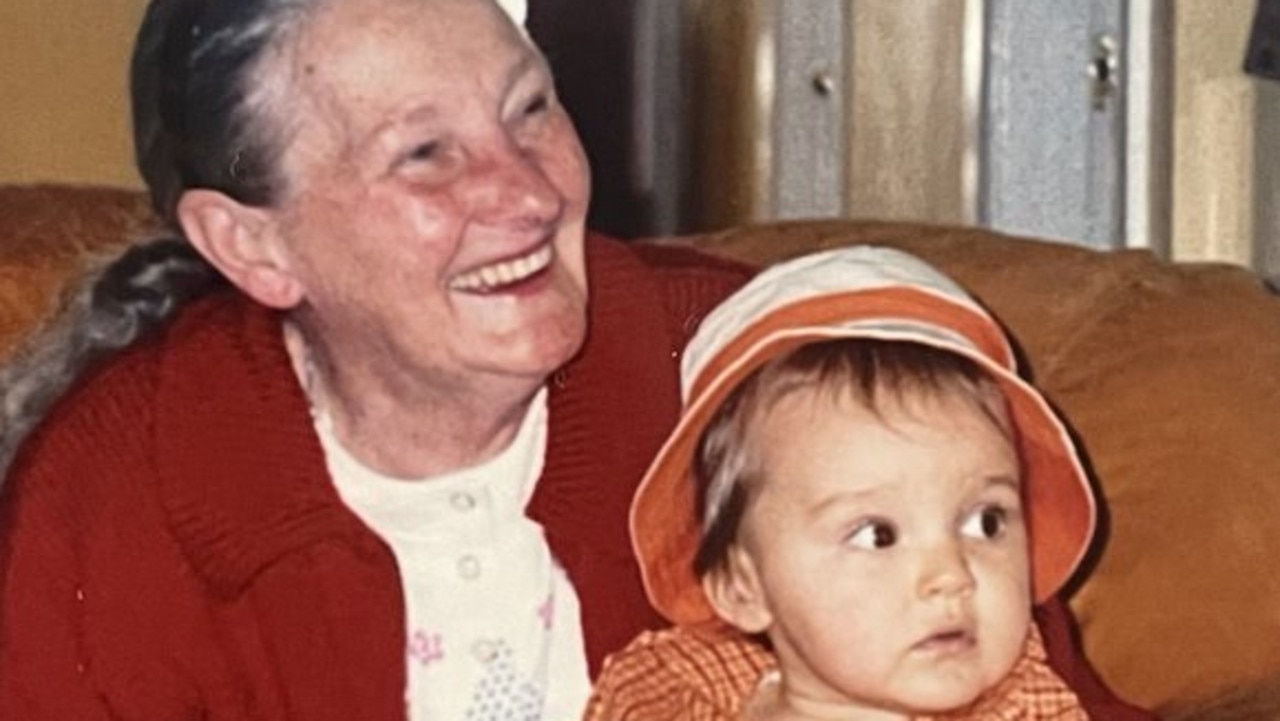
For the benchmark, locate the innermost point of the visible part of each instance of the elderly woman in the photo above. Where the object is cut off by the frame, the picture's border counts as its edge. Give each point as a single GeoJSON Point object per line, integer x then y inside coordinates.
{"type": "Point", "coordinates": [371, 454]}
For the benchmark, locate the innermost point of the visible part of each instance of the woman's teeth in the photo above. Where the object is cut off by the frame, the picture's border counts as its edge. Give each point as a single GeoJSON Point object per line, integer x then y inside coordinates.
{"type": "Point", "coordinates": [496, 275]}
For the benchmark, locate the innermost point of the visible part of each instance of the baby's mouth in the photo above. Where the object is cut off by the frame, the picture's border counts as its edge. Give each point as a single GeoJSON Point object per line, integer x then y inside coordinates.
{"type": "Point", "coordinates": [495, 276]}
{"type": "Point", "coordinates": [949, 641]}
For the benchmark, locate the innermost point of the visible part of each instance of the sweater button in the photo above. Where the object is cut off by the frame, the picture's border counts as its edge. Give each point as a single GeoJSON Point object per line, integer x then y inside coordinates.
{"type": "Point", "coordinates": [462, 501]}
{"type": "Point", "coordinates": [484, 651]}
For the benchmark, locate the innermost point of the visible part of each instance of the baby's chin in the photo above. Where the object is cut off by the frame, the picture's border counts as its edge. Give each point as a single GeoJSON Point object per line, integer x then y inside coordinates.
{"type": "Point", "coordinates": [965, 694]}
{"type": "Point", "coordinates": [932, 698]}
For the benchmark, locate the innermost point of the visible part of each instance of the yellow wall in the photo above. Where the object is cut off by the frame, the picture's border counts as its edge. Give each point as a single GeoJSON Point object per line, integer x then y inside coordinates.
{"type": "Point", "coordinates": [63, 90]}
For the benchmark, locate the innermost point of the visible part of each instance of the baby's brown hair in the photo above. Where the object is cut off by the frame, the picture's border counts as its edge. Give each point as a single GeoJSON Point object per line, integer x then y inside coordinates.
{"type": "Point", "coordinates": [862, 370]}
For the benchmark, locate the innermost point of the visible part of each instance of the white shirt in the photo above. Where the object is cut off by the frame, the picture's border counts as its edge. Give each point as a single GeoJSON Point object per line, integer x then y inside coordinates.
{"type": "Point", "coordinates": [494, 630]}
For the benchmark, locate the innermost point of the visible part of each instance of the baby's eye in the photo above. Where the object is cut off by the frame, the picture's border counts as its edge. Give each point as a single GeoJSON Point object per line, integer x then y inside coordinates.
{"type": "Point", "coordinates": [989, 522]}
{"type": "Point", "coordinates": [873, 534]}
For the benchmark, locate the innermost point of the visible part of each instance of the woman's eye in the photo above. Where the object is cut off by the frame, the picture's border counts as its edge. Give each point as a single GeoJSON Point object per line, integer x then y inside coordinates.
{"type": "Point", "coordinates": [988, 522]}
{"type": "Point", "coordinates": [872, 535]}
{"type": "Point", "coordinates": [537, 105]}
{"type": "Point", "coordinates": [423, 152]}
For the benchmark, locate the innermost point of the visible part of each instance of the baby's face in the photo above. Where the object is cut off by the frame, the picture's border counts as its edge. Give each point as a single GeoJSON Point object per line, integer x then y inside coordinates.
{"type": "Point", "coordinates": [889, 551]}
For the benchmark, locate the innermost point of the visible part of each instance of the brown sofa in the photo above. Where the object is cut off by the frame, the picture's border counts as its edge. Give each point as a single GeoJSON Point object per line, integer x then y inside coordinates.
{"type": "Point", "coordinates": [1170, 375]}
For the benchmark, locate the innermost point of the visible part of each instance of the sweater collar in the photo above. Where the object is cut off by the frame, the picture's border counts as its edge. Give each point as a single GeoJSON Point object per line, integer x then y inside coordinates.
{"type": "Point", "coordinates": [243, 476]}
{"type": "Point", "coordinates": [242, 473]}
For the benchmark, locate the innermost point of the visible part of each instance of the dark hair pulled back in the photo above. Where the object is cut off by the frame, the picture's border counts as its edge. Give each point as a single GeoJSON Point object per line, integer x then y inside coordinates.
{"type": "Point", "coordinates": [198, 123]}
{"type": "Point", "coordinates": [191, 88]}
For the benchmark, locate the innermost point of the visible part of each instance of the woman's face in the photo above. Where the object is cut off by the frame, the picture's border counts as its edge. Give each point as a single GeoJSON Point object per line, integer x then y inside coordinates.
{"type": "Point", "coordinates": [433, 215]}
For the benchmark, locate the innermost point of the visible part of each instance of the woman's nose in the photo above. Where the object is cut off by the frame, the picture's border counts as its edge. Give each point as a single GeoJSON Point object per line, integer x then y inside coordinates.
{"type": "Point", "coordinates": [945, 570]}
{"type": "Point", "coordinates": [510, 187]}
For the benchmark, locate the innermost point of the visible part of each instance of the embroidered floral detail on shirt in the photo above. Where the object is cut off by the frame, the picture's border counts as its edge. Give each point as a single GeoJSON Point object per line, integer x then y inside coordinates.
{"type": "Point", "coordinates": [547, 612]}
{"type": "Point", "coordinates": [426, 648]}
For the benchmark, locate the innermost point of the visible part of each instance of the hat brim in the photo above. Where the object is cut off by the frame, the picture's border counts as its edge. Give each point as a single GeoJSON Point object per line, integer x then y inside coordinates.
{"type": "Point", "coordinates": [1061, 511]}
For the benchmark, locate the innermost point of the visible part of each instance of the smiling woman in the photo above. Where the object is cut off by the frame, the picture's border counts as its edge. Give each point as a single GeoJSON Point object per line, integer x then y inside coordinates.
{"type": "Point", "coordinates": [408, 253]}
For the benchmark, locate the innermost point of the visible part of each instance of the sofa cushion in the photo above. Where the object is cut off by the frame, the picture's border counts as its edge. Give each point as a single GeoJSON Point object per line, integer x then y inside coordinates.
{"type": "Point", "coordinates": [51, 233]}
{"type": "Point", "coordinates": [1170, 375]}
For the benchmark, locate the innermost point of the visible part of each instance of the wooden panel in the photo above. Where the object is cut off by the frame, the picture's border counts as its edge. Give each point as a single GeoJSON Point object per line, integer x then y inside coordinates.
{"type": "Point", "coordinates": [730, 126]}
{"type": "Point", "coordinates": [913, 122]}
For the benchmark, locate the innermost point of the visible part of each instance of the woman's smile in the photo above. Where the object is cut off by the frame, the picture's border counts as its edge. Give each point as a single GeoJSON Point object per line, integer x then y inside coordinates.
{"type": "Point", "coordinates": [500, 275]}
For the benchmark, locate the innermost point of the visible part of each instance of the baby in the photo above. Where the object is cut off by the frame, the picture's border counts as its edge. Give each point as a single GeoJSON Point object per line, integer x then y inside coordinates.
{"type": "Point", "coordinates": [856, 512]}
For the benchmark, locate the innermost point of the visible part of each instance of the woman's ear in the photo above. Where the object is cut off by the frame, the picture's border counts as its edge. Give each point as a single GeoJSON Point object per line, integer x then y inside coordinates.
{"type": "Point", "coordinates": [736, 594]}
{"type": "Point", "coordinates": [239, 241]}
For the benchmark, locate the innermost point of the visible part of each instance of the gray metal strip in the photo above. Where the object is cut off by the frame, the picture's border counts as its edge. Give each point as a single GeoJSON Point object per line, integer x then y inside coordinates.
{"type": "Point", "coordinates": [1266, 176]}
{"type": "Point", "coordinates": [1053, 150]}
{"type": "Point", "coordinates": [809, 128]}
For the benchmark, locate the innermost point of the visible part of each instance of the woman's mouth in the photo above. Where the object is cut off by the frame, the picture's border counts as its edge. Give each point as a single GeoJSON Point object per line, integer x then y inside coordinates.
{"type": "Point", "coordinates": [495, 276]}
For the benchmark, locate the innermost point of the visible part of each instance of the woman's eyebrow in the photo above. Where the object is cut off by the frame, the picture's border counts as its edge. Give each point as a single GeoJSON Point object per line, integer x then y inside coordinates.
{"type": "Point", "coordinates": [428, 109]}
{"type": "Point", "coordinates": [530, 60]}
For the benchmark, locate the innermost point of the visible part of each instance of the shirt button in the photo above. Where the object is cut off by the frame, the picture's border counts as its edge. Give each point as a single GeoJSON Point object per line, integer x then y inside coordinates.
{"type": "Point", "coordinates": [484, 651]}
{"type": "Point", "coordinates": [462, 501]}
{"type": "Point", "coordinates": [469, 567]}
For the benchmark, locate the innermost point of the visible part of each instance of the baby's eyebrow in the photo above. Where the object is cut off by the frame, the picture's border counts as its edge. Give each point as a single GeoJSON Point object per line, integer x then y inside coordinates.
{"type": "Point", "coordinates": [1012, 482]}
{"type": "Point", "coordinates": [844, 499]}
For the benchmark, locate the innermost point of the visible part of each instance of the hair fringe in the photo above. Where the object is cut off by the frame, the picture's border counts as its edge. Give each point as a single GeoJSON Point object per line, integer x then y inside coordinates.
{"type": "Point", "coordinates": [114, 304]}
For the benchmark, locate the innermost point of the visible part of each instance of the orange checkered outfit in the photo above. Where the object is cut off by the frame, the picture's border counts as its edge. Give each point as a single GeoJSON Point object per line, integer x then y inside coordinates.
{"type": "Point", "coordinates": [706, 674]}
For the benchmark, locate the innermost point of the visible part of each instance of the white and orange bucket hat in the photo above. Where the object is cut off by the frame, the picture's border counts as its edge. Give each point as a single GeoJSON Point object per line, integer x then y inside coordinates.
{"type": "Point", "coordinates": [851, 292]}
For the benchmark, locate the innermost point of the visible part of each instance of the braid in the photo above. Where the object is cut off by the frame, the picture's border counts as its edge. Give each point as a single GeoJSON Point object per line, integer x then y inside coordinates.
{"type": "Point", "coordinates": [142, 288]}
{"type": "Point", "coordinates": [117, 304]}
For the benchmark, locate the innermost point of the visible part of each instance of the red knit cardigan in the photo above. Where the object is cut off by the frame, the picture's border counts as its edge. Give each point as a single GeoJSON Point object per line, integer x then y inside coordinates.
{"type": "Point", "coordinates": [171, 546]}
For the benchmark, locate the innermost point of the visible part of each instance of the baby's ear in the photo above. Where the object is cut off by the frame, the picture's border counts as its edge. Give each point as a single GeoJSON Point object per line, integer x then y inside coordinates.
{"type": "Point", "coordinates": [736, 594]}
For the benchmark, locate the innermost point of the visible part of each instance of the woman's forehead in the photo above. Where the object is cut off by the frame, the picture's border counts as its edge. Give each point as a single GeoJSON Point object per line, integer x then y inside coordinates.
{"type": "Point", "coordinates": [359, 42]}
{"type": "Point", "coordinates": [372, 57]}
{"type": "Point", "coordinates": [443, 28]}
